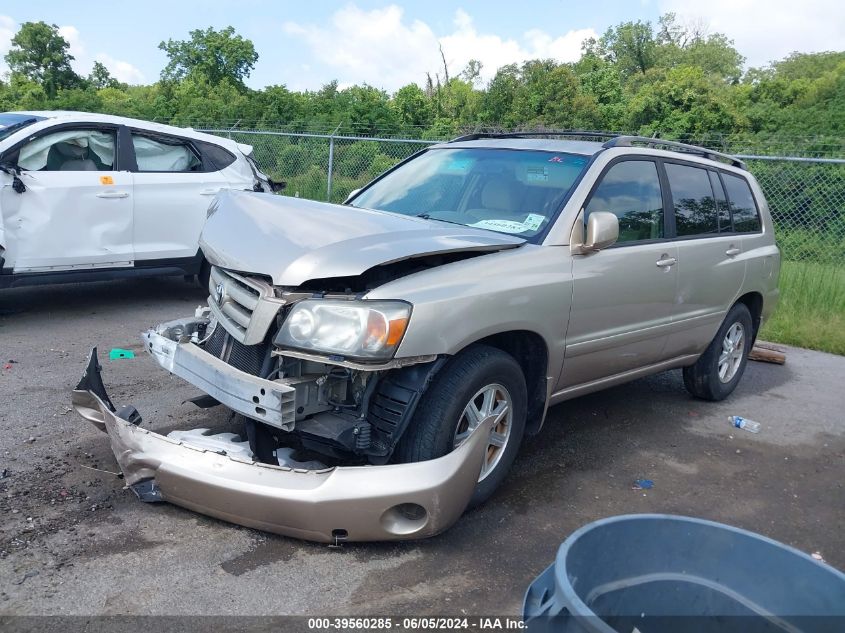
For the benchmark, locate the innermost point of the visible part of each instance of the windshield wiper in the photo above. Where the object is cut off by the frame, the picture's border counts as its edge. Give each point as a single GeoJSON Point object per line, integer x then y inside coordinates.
{"type": "Point", "coordinates": [428, 216]}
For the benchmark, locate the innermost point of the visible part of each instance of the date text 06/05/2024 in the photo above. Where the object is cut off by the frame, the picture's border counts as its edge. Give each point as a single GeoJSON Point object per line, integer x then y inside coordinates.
{"type": "Point", "coordinates": [416, 623]}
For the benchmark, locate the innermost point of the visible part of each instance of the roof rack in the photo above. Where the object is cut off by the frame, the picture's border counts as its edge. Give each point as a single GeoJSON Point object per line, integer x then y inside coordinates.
{"type": "Point", "coordinates": [576, 133]}
{"type": "Point", "coordinates": [629, 141]}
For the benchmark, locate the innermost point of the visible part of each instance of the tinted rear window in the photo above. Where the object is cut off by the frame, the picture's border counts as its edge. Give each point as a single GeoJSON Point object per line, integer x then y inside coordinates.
{"type": "Point", "coordinates": [692, 197]}
{"type": "Point", "coordinates": [216, 155]}
{"type": "Point", "coordinates": [721, 204]}
{"type": "Point", "coordinates": [743, 207]}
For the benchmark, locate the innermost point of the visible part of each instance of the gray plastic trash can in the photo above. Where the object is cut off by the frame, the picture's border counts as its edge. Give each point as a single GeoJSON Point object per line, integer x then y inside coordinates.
{"type": "Point", "coordinates": [656, 573]}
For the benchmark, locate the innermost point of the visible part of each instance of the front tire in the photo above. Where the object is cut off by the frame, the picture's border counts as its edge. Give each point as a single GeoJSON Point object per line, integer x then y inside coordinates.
{"type": "Point", "coordinates": [719, 369]}
{"type": "Point", "coordinates": [478, 383]}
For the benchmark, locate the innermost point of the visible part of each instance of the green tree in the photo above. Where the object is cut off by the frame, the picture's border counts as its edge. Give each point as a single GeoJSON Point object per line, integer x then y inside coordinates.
{"type": "Point", "coordinates": [497, 101]}
{"type": "Point", "coordinates": [412, 106]}
{"type": "Point", "coordinates": [630, 45]}
{"type": "Point", "coordinates": [546, 95]}
{"type": "Point", "coordinates": [279, 106]}
{"type": "Point", "coordinates": [680, 45]}
{"type": "Point", "coordinates": [682, 102]}
{"type": "Point", "coordinates": [100, 77]}
{"type": "Point", "coordinates": [472, 72]}
{"type": "Point", "coordinates": [600, 103]}
{"type": "Point", "coordinates": [801, 96]}
{"type": "Point", "coordinates": [215, 55]}
{"type": "Point", "coordinates": [460, 102]}
{"type": "Point", "coordinates": [23, 94]}
{"type": "Point", "coordinates": [806, 65]}
{"type": "Point", "coordinates": [40, 54]}
{"type": "Point", "coordinates": [367, 109]}
{"type": "Point", "coordinates": [196, 101]}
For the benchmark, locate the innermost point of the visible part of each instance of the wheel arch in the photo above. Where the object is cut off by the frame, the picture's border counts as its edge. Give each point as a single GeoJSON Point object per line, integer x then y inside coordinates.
{"type": "Point", "coordinates": [530, 351]}
{"type": "Point", "coordinates": [754, 302]}
{"type": "Point", "coordinates": [526, 347]}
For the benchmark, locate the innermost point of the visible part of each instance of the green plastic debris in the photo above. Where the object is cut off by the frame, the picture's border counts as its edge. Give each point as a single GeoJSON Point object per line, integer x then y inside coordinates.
{"type": "Point", "coordinates": [118, 353]}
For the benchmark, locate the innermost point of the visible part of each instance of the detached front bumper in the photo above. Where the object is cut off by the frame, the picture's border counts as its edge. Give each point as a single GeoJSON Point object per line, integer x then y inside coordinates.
{"type": "Point", "coordinates": [362, 503]}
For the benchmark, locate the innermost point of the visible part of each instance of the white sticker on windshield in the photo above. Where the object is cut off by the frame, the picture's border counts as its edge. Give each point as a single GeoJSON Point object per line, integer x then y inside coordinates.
{"type": "Point", "coordinates": [537, 174]}
{"type": "Point", "coordinates": [531, 223]}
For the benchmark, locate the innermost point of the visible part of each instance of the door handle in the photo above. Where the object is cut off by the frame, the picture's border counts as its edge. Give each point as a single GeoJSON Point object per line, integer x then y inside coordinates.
{"type": "Point", "coordinates": [209, 192]}
{"type": "Point", "coordinates": [733, 251]}
{"type": "Point", "coordinates": [665, 261]}
{"type": "Point", "coordinates": [113, 194]}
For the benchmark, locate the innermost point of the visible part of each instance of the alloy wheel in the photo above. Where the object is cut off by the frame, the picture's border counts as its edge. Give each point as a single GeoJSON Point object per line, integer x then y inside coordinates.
{"type": "Point", "coordinates": [492, 401]}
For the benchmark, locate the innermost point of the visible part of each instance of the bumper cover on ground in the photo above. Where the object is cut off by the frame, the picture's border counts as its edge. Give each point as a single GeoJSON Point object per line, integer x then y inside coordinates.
{"type": "Point", "coordinates": [362, 503]}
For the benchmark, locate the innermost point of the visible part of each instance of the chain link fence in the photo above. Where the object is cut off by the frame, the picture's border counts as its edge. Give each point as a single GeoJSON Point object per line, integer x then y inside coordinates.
{"type": "Point", "coordinates": [323, 166]}
{"type": "Point", "coordinates": [806, 195]}
{"type": "Point", "coordinates": [807, 202]}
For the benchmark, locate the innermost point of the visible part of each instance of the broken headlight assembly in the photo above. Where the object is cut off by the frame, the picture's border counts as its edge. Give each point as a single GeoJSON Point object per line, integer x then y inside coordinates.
{"type": "Point", "coordinates": [365, 330]}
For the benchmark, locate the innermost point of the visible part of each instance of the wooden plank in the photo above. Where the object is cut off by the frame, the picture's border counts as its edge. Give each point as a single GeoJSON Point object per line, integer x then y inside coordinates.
{"type": "Point", "coordinates": [771, 346]}
{"type": "Point", "coordinates": [765, 355]}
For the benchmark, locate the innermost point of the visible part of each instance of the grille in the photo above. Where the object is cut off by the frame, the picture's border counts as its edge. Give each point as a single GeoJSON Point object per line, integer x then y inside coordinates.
{"type": "Point", "coordinates": [217, 343]}
{"type": "Point", "coordinates": [247, 358]}
{"type": "Point", "coordinates": [245, 306]}
{"type": "Point", "coordinates": [234, 298]}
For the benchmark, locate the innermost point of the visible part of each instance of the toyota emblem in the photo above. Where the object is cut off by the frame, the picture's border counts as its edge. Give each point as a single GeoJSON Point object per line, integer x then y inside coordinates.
{"type": "Point", "coordinates": [218, 293]}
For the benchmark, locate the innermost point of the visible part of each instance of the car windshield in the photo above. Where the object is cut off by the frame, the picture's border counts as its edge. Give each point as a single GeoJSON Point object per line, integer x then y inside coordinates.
{"type": "Point", "coordinates": [504, 190]}
{"type": "Point", "coordinates": [11, 122]}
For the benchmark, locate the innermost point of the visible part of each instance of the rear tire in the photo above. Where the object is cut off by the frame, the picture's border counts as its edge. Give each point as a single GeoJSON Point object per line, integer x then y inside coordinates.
{"type": "Point", "coordinates": [719, 369]}
{"type": "Point", "coordinates": [479, 382]}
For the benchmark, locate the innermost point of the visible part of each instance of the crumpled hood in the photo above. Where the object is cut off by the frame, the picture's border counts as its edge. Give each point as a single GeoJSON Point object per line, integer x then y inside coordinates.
{"type": "Point", "coordinates": [294, 240]}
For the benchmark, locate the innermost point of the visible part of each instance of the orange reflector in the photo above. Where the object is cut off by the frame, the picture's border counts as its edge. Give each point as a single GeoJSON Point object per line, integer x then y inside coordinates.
{"type": "Point", "coordinates": [397, 329]}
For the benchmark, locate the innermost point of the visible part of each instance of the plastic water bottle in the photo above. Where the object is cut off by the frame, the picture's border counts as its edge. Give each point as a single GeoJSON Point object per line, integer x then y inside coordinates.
{"type": "Point", "coordinates": [744, 423]}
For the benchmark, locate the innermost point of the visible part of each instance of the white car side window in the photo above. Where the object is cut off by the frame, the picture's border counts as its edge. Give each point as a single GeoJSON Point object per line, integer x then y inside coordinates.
{"type": "Point", "coordinates": [69, 150]}
{"type": "Point", "coordinates": [158, 155]}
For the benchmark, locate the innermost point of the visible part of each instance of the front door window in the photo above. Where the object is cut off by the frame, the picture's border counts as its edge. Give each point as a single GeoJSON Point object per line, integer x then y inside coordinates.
{"type": "Point", "coordinates": [631, 191]}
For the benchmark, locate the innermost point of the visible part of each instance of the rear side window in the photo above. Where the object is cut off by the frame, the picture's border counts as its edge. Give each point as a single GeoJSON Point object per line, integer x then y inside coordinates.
{"type": "Point", "coordinates": [631, 191]}
{"type": "Point", "coordinates": [721, 204]}
{"type": "Point", "coordinates": [165, 154]}
{"type": "Point", "coordinates": [742, 204]}
{"type": "Point", "coordinates": [218, 157]}
{"type": "Point", "coordinates": [692, 198]}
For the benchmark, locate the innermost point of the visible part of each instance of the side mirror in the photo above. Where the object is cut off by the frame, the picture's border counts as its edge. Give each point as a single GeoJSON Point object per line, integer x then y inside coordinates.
{"type": "Point", "coordinates": [602, 231]}
{"type": "Point", "coordinates": [14, 171]}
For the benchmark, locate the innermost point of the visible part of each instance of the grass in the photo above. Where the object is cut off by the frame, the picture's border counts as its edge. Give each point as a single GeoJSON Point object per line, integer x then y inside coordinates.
{"type": "Point", "coordinates": [811, 312]}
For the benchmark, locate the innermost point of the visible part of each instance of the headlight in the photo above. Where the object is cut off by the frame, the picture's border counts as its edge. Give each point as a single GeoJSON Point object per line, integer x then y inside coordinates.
{"type": "Point", "coordinates": [358, 329]}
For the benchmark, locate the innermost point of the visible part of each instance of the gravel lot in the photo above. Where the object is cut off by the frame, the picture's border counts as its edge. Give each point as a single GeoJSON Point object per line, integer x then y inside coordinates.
{"type": "Point", "coordinates": [73, 541]}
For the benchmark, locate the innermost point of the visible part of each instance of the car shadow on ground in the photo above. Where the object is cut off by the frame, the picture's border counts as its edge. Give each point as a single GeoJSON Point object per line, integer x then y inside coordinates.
{"type": "Point", "coordinates": [98, 296]}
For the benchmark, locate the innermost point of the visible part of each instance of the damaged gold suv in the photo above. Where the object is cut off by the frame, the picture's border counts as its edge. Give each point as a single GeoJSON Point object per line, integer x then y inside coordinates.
{"type": "Point", "coordinates": [387, 356]}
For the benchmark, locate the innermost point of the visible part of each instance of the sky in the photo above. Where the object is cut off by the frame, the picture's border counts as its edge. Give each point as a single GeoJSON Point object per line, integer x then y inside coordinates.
{"type": "Point", "coordinates": [304, 45]}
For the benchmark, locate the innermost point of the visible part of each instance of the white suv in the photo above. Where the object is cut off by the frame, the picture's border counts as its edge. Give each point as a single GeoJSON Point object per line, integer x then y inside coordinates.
{"type": "Point", "coordinates": [86, 197]}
